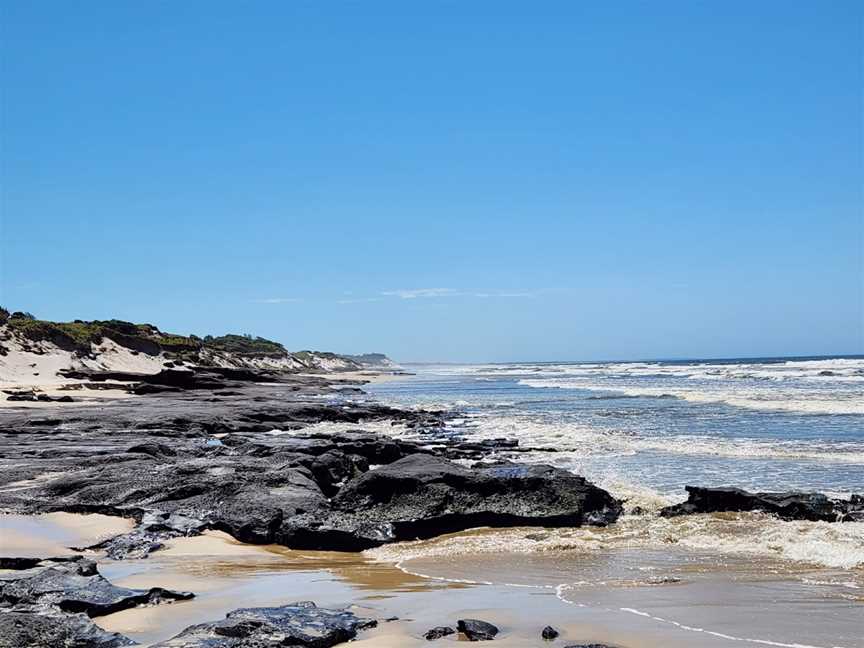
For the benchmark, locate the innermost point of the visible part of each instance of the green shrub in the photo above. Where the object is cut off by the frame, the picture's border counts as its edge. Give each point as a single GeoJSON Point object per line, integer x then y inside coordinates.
{"type": "Point", "coordinates": [244, 345]}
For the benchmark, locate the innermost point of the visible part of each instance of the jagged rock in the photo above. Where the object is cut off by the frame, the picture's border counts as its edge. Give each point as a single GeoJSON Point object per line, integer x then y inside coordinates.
{"type": "Point", "coordinates": [253, 514]}
{"type": "Point", "coordinates": [476, 630]}
{"type": "Point", "coordinates": [50, 628]}
{"type": "Point", "coordinates": [438, 632]}
{"type": "Point", "coordinates": [549, 633]}
{"type": "Point", "coordinates": [333, 468]}
{"type": "Point", "coordinates": [788, 506]}
{"type": "Point", "coordinates": [74, 585]}
{"type": "Point", "coordinates": [349, 490]}
{"type": "Point", "coordinates": [296, 624]}
{"type": "Point", "coordinates": [150, 535]}
{"type": "Point", "coordinates": [421, 496]}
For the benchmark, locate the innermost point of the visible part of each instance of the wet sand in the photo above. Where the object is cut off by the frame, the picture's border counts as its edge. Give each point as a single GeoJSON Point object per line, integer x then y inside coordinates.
{"type": "Point", "coordinates": [634, 598]}
{"type": "Point", "coordinates": [53, 534]}
{"type": "Point", "coordinates": [80, 392]}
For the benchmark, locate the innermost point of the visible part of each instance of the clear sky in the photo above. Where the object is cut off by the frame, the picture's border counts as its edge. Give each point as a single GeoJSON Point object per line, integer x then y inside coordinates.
{"type": "Point", "coordinates": [483, 180]}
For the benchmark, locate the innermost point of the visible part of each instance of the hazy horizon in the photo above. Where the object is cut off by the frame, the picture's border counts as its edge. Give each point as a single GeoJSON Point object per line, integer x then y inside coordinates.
{"type": "Point", "coordinates": [465, 183]}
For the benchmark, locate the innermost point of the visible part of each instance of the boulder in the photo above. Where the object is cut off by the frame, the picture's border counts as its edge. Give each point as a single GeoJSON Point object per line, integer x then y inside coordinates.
{"type": "Point", "coordinates": [788, 506]}
{"type": "Point", "coordinates": [422, 496]}
{"type": "Point", "coordinates": [295, 624]}
{"type": "Point", "coordinates": [438, 632]}
{"type": "Point", "coordinates": [549, 633]}
{"type": "Point", "coordinates": [476, 630]}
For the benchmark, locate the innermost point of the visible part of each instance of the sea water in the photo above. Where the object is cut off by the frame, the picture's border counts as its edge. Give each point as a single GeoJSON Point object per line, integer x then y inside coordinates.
{"type": "Point", "coordinates": [645, 430]}
{"type": "Point", "coordinates": [770, 424]}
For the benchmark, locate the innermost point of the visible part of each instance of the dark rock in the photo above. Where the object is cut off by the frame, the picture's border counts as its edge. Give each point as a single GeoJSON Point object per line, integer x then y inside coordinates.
{"type": "Point", "coordinates": [438, 632]}
{"type": "Point", "coordinates": [27, 562]}
{"type": "Point", "coordinates": [150, 535]}
{"type": "Point", "coordinates": [29, 395]}
{"type": "Point", "coordinates": [788, 506]}
{"type": "Point", "coordinates": [154, 449]}
{"type": "Point", "coordinates": [75, 586]}
{"type": "Point", "coordinates": [331, 469]}
{"type": "Point", "coordinates": [49, 628]}
{"type": "Point", "coordinates": [476, 630]}
{"type": "Point", "coordinates": [422, 496]}
{"type": "Point", "coordinates": [296, 624]}
{"type": "Point", "coordinates": [158, 461]}
{"type": "Point", "coordinates": [549, 633]}
{"type": "Point", "coordinates": [143, 389]}
{"type": "Point", "coordinates": [21, 397]}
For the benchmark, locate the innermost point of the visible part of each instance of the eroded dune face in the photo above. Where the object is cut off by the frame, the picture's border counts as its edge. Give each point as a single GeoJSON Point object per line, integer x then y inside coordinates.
{"type": "Point", "coordinates": [37, 353]}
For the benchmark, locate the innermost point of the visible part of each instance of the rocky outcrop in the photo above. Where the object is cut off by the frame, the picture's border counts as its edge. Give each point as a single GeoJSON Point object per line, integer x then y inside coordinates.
{"type": "Point", "coordinates": [52, 628]}
{"type": "Point", "coordinates": [48, 603]}
{"type": "Point", "coordinates": [74, 585]}
{"type": "Point", "coordinates": [422, 496]}
{"type": "Point", "coordinates": [160, 462]}
{"type": "Point", "coordinates": [295, 624]}
{"type": "Point", "coordinates": [788, 506]}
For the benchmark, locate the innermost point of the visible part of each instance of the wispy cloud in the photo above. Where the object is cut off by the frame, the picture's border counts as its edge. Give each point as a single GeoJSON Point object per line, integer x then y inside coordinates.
{"type": "Point", "coordinates": [277, 300]}
{"type": "Point", "coordinates": [409, 293]}
{"type": "Point", "coordinates": [427, 293]}
{"type": "Point", "coordinates": [422, 293]}
{"type": "Point", "coordinates": [358, 300]}
{"type": "Point", "coordinates": [507, 295]}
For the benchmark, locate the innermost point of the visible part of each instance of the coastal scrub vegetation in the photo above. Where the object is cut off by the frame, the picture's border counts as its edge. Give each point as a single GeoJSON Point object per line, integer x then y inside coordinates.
{"type": "Point", "coordinates": [243, 345]}
{"type": "Point", "coordinates": [79, 335]}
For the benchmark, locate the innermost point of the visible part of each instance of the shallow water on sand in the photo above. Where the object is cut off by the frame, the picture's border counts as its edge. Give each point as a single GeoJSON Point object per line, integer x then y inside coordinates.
{"type": "Point", "coordinates": [592, 584]}
{"type": "Point", "coordinates": [53, 534]}
{"type": "Point", "coordinates": [634, 598]}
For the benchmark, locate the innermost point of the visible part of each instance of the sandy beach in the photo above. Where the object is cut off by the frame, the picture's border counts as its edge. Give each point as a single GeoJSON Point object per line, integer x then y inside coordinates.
{"type": "Point", "coordinates": [223, 571]}
{"type": "Point", "coordinates": [188, 489]}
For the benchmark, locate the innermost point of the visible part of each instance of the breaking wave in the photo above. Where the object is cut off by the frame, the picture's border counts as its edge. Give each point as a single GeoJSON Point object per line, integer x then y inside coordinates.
{"type": "Point", "coordinates": [753, 535]}
{"type": "Point", "coordinates": [578, 440]}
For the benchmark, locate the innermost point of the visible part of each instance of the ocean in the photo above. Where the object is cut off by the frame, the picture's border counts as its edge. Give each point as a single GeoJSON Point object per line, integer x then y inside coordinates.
{"type": "Point", "coordinates": [645, 430]}
{"type": "Point", "coordinates": [770, 423]}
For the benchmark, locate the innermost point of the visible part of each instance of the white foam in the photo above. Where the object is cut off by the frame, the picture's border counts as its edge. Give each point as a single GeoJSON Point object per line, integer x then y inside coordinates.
{"type": "Point", "coordinates": [577, 441]}
{"type": "Point", "coordinates": [721, 635]}
{"type": "Point", "coordinates": [838, 545]}
{"type": "Point", "coordinates": [787, 400]}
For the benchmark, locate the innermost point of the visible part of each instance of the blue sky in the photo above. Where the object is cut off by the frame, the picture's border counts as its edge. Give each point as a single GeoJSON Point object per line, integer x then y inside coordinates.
{"type": "Point", "coordinates": [483, 181]}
